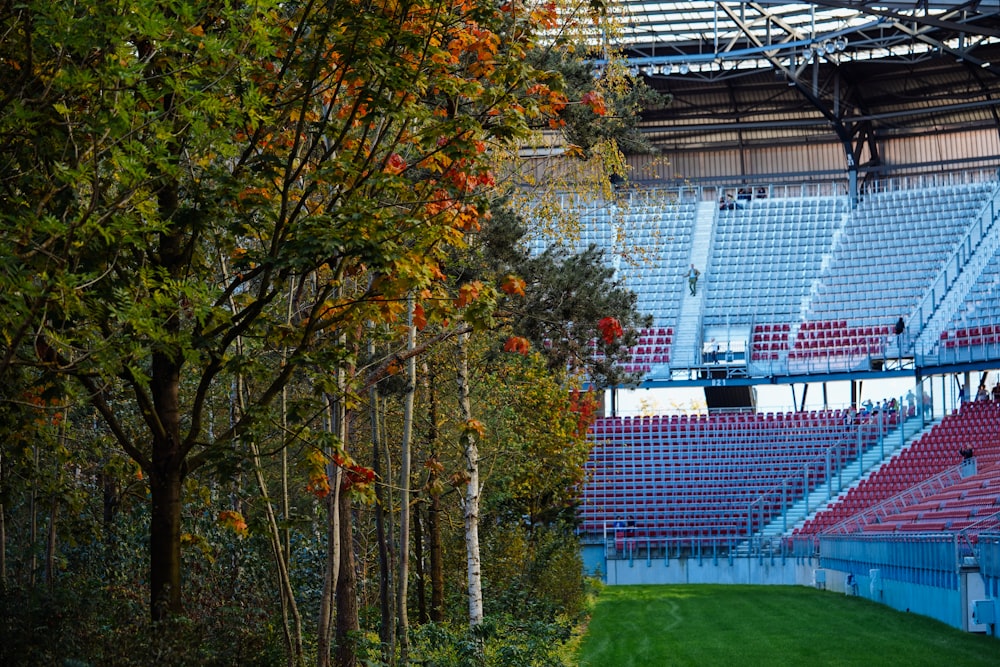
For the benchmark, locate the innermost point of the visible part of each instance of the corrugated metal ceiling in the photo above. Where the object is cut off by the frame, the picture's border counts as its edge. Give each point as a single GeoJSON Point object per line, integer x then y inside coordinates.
{"type": "Point", "coordinates": [846, 71]}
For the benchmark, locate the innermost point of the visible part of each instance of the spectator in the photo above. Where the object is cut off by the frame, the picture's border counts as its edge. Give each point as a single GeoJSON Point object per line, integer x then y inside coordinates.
{"type": "Point", "coordinates": [982, 394]}
{"type": "Point", "coordinates": [851, 416]}
{"type": "Point", "coordinates": [761, 193]}
{"type": "Point", "coordinates": [996, 392]}
{"type": "Point", "coordinates": [692, 275]}
{"type": "Point", "coordinates": [966, 453]}
{"type": "Point", "coordinates": [911, 404]}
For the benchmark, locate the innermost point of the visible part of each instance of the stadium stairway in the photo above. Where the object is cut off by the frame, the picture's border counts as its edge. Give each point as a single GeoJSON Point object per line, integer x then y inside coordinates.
{"type": "Point", "coordinates": [686, 349]}
{"type": "Point", "coordinates": [828, 493]}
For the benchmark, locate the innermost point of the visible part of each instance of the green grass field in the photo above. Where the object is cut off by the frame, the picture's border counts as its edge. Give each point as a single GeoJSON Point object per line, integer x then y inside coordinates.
{"type": "Point", "coordinates": [733, 626]}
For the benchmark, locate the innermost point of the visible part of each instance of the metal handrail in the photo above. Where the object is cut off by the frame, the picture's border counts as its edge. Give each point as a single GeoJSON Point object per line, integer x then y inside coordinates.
{"type": "Point", "coordinates": [896, 503]}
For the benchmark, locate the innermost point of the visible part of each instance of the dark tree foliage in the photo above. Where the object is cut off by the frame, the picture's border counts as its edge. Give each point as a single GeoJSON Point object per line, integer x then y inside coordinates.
{"type": "Point", "coordinates": [624, 104]}
{"type": "Point", "coordinates": [566, 297]}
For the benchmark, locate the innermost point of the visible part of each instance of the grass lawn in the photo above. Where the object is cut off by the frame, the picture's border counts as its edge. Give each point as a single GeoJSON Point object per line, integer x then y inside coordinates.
{"type": "Point", "coordinates": [733, 626]}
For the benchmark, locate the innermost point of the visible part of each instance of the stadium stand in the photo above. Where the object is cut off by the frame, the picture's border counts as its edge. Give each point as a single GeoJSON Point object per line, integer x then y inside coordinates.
{"type": "Point", "coordinates": [665, 480]}
{"type": "Point", "coordinates": [802, 285]}
{"type": "Point", "coordinates": [845, 182]}
{"type": "Point", "coordinates": [765, 257]}
{"type": "Point", "coordinates": [954, 507]}
{"type": "Point", "coordinates": [843, 275]}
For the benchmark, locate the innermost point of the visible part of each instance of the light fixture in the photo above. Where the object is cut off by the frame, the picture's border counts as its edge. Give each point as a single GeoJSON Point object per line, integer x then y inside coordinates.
{"type": "Point", "coordinates": [984, 65]}
{"type": "Point", "coordinates": [841, 43]}
{"type": "Point", "coordinates": [668, 69]}
{"type": "Point", "coordinates": [829, 47]}
{"type": "Point", "coordinates": [685, 68]}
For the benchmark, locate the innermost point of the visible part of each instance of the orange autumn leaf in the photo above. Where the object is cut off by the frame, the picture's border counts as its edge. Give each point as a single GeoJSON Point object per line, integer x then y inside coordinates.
{"type": "Point", "coordinates": [468, 293]}
{"type": "Point", "coordinates": [419, 317]}
{"type": "Point", "coordinates": [513, 285]}
{"type": "Point", "coordinates": [611, 329]}
{"type": "Point", "coordinates": [395, 164]}
{"type": "Point", "coordinates": [234, 521]}
{"type": "Point", "coordinates": [517, 344]}
{"type": "Point", "coordinates": [595, 101]}
{"type": "Point", "coordinates": [476, 426]}
{"type": "Point", "coordinates": [436, 272]}
{"type": "Point", "coordinates": [319, 485]}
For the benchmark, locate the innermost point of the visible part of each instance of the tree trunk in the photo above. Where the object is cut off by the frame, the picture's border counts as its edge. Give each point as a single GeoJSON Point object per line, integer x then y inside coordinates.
{"type": "Point", "coordinates": [331, 573]}
{"type": "Point", "coordinates": [418, 566]}
{"type": "Point", "coordinates": [471, 500]}
{"type": "Point", "coordinates": [33, 524]}
{"type": "Point", "coordinates": [50, 547]}
{"type": "Point", "coordinates": [3, 531]}
{"type": "Point", "coordinates": [165, 543]}
{"type": "Point", "coordinates": [293, 634]}
{"type": "Point", "coordinates": [336, 424]}
{"type": "Point", "coordinates": [434, 511]}
{"type": "Point", "coordinates": [3, 548]}
{"type": "Point", "coordinates": [386, 633]}
{"type": "Point", "coordinates": [437, 559]}
{"type": "Point", "coordinates": [404, 492]}
{"type": "Point", "coordinates": [348, 623]}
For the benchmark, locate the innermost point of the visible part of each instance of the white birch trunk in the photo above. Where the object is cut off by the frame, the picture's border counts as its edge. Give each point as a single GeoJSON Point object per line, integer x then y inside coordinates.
{"type": "Point", "coordinates": [471, 499]}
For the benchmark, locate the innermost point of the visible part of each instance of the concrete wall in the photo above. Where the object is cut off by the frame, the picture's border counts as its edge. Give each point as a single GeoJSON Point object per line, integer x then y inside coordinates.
{"type": "Point", "coordinates": [943, 604]}
{"type": "Point", "coordinates": [709, 570]}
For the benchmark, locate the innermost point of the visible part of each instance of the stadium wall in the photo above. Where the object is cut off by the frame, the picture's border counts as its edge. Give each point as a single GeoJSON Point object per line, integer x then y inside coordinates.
{"type": "Point", "coordinates": [942, 147]}
{"type": "Point", "coordinates": [738, 164]}
{"type": "Point", "coordinates": [765, 571]}
{"type": "Point", "coordinates": [731, 164]}
{"type": "Point", "coordinates": [915, 585]}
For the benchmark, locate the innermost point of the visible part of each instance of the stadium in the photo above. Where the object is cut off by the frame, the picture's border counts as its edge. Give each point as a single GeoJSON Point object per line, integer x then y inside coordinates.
{"type": "Point", "coordinates": [831, 170]}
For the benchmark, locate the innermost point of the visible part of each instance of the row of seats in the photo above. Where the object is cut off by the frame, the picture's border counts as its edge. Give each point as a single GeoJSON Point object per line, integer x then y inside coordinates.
{"type": "Point", "coordinates": [660, 475]}
{"type": "Point", "coordinates": [794, 261]}
{"type": "Point", "coordinates": [976, 426]}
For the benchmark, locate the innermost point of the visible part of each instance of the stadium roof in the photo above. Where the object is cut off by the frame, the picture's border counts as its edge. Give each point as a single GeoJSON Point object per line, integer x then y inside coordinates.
{"type": "Point", "coordinates": [832, 71]}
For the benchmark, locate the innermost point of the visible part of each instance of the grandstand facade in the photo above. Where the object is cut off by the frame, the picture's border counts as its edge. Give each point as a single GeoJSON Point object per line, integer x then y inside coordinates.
{"type": "Point", "coordinates": [808, 289]}
{"type": "Point", "coordinates": [843, 211]}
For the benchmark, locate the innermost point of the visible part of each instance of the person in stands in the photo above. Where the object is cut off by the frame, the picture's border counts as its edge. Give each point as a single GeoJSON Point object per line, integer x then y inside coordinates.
{"type": "Point", "coordinates": [996, 392]}
{"type": "Point", "coordinates": [692, 275]}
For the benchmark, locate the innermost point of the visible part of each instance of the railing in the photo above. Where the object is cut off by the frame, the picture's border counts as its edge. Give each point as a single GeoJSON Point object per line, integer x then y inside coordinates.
{"type": "Point", "coordinates": [876, 435]}
{"type": "Point", "coordinates": [939, 290]}
{"type": "Point", "coordinates": [899, 502]}
{"type": "Point", "coordinates": [628, 543]}
{"type": "Point", "coordinates": [969, 536]}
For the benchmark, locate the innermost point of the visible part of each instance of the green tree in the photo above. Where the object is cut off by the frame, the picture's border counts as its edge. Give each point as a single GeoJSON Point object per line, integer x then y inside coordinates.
{"type": "Point", "coordinates": [171, 172]}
